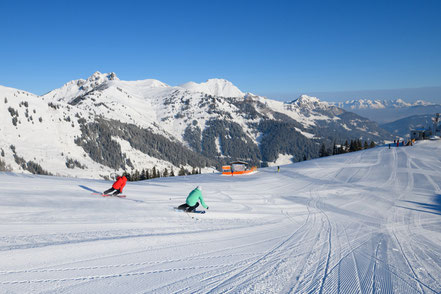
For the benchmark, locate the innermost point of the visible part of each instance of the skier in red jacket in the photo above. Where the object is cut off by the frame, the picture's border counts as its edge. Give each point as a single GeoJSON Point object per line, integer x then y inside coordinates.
{"type": "Point", "coordinates": [117, 186]}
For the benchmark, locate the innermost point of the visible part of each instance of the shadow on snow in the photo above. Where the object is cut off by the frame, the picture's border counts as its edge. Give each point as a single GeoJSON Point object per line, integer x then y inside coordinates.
{"type": "Point", "coordinates": [434, 207]}
{"type": "Point", "coordinates": [89, 189]}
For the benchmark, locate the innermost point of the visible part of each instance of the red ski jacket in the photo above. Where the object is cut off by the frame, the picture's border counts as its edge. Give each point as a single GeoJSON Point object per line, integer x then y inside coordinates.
{"type": "Point", "coordinates": [120, 183]}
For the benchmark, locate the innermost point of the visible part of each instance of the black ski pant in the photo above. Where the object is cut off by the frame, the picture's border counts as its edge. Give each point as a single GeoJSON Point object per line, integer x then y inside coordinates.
{"type": "Point", "coordinates": [111, 190]}
{"type": "Point", "coordinates": [187, 207]}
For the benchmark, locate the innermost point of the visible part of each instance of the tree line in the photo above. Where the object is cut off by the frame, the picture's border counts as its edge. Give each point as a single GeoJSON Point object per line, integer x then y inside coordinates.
{"type": "Point", "coordinates": [147, 174]}
{"type": "Point", "coordinates": [354, 145]}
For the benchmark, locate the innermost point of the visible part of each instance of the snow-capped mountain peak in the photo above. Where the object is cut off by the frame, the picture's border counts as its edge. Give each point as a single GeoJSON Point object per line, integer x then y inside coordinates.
{"type": "Point", "coordinates": [147, 84]}
{"type": "Point", "coordinates": [97, 79]}
{"type": "Point", "coordinates": [97, 76]}
{"type": "Point", "coordinates": [307, 99]}
{"type": "Point", "coordinates": [216, 87]}
{"type": "Point", "coordinates": [308, 102]}
{"type": "Point", "coordinates": [401, 103]}
{"type": "Point", "coordinates": [421, 103]}
{"type": "Point", "coordinates": [80, 87]}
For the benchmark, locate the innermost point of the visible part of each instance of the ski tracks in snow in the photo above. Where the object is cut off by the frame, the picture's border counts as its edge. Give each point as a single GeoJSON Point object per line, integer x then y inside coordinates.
{"type": "Point", "coordinates": [240, 279]}
{"type": "Point", "coordinates": [351, 227]}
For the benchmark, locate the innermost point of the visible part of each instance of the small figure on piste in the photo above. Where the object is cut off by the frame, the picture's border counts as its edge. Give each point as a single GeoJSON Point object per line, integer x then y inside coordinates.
{"type": "Point", "coordinates": [117, 187]}
{"type": "Point", "coordinates": [192, 201]}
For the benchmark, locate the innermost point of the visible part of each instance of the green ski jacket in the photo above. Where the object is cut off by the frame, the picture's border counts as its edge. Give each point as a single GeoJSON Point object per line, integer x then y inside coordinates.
{"type": "Point", "coordinates": [194, 197]}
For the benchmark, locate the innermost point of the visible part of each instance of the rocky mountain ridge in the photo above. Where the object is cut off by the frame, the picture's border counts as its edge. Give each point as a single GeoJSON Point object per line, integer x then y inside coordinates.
{"type": "Point", "coordinates": [99, 125]}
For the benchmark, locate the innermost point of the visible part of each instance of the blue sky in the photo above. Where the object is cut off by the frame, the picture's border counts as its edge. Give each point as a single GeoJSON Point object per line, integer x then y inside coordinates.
{"type": "Point", "coordinates": [279, 49]}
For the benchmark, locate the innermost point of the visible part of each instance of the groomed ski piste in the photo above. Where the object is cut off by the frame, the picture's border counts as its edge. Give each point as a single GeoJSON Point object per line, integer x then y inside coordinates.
{"type": "Point", "coordinates": [362, 222]}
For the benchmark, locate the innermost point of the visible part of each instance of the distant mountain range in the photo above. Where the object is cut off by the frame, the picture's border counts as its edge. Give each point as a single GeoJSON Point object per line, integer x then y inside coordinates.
{"type": "Point", "coordinates": [379, 104]}
{"type": "Point", "coordinates": [396, 116]}
{"type": "Point", "coordinates": [92, 127]}
{"type": "Point", "coordinates": [386, 111]}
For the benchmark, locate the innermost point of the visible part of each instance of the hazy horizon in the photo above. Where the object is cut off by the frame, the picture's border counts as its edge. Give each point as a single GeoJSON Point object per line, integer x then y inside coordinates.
{"type": "Point", "coordinates": [429, 94]}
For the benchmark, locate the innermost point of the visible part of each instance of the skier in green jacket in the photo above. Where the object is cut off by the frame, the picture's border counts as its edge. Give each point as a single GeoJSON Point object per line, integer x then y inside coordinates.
{"type": "Point", "coordinates": [193, 200]}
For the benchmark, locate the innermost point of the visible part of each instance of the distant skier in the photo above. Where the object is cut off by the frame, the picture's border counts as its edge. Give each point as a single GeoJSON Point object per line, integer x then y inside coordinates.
{"type": "Point", "coordinates": [117, 187]}
{"type": "Point", "coordinates": [278, 168]}
{"type": "Point", "coordinates": [192, 201]}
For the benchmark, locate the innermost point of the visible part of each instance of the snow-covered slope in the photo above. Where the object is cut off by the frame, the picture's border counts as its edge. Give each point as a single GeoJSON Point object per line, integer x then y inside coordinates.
{"type": "Point", "coordinates": [363, 222]}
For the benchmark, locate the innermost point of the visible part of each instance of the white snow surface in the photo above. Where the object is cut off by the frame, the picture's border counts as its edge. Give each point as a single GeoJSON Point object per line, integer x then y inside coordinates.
{"type": "Point", "coordinates": [363, 222]}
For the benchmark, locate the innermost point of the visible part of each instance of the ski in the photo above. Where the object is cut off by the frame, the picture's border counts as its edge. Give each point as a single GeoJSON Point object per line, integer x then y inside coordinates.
{"type": "Point", "coordinates": [109, 195]}
{"type": "Point", "coordinates": [194, 211]}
